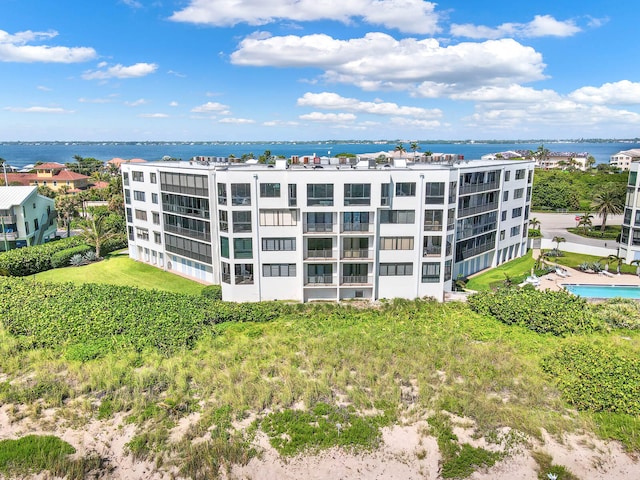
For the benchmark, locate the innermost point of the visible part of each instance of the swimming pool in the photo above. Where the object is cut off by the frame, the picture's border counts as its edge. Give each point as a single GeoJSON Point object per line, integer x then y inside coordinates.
{"type": "Point", "coordinates": [604, 291]}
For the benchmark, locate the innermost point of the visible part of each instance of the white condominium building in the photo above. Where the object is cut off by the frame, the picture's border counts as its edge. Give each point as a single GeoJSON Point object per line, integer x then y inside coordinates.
{"type": "Point", "coordinates": [329, 231]}
{"type": "Point", "coordinates": [623, 159]}
{"type": "Point", "coordinates": [630, 236]}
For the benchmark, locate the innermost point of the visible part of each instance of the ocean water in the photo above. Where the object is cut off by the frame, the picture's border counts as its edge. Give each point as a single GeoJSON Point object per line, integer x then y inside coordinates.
{"type": "Point", "coordinates": [19, 154]}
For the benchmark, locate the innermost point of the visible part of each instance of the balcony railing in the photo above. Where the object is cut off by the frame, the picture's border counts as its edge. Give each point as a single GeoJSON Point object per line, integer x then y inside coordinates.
{"type": "Point", "coordinates": [9, 219]}
{"type": "Point", "coordinates": [432, 226]}
{"type": "Point", "coordinates": [431, 251]}
{"type": "Point", "coordinates": [320, 253]}
{"type": "Point", "coordinates": [357, 253]}
{"type": "Point", "coordinates": [478, 187]}
{"type": "Point", "coordinates": [463, 254]}
{"type": "Point", "coordinates": [318, 227]}
{"type": "Point", "coordinates": [319, 280]}
{"type": "Point", "coordinates": [9, 236]}
{"type": "Point", "coordinates": [356, 227]}
{"type": "Point", "coordinates": [465, 212]}
{"type": "Point", "coordinates": [244, 279]}
{"type": "Point", "coordinates": [355, 280]}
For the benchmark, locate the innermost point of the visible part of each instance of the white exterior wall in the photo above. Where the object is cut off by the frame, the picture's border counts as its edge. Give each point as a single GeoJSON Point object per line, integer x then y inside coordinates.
{"type": "Point", "coordinates": [344, 253]}
{"type": "Point", "coordinates": [630, 246]}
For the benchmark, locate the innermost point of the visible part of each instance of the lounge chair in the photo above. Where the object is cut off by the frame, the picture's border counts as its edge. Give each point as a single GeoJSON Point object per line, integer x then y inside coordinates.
{"type": "Point", "coordinates": [562, 273]}
{"type": "Point", "coordinates": [607, 273]}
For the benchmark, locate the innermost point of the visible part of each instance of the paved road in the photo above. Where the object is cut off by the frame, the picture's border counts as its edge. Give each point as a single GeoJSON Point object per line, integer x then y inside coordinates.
{"type": "Point", "coordinates": [556, 224]}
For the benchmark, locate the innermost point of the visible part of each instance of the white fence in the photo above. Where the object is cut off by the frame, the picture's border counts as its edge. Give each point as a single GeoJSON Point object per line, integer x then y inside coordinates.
{"type": "Point", "coordinates": [547, 243]}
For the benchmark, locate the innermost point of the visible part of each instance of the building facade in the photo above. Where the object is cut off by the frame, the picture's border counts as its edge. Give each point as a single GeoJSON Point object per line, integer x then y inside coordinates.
{"type": "Point", "coordinates": [26, 218]}
{"type": "Point", "coordinates": [623, 159]}
{"type": "Point", "coordinates": [329, 231]}
{"type": "Point", "coordinates": [630, 235]}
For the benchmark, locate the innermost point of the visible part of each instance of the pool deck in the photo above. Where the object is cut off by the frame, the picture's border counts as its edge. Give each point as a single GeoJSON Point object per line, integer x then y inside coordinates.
{"type": "Point", "coordinates": [553, 281]}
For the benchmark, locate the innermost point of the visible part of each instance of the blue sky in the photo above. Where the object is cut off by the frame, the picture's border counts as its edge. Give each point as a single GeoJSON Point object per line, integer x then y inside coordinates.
{"type": "Point", "coordinates": [318, 69]}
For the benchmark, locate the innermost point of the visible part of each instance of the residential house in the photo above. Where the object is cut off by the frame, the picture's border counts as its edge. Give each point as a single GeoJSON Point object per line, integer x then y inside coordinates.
{"type": "Point", "coordinates": [26, 218]}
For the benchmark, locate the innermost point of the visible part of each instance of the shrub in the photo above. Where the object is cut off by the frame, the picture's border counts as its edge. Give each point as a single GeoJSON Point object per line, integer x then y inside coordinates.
{"type": "Point", "coordinates": [620, 313]}
{"type": "Point", "coordinates": [596, 378]}
{"type": "Point", "coordinates": [558, 313]}
{"type": "Point", "coordinates": [113, 244]}
{"type": "Point", "coordinates": [62, 258]}
{"type": "Point", "coordinates": [213, 292]}
{"type": "Point", "coordinates": [76, 260]}
{"type": "Point", "coordinates": [90, 256]}
{"type": "Point", "coordinates": [29, 260]}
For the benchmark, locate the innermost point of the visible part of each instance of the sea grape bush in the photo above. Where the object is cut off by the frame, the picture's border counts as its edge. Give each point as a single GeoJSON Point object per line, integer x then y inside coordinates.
{"type": "Point", "coordinates": [596, 378]}
{"type": "Point", "coordinates": [558, 313]}
{"type": "Point", "coordinates": [52, 315]}
{"type": "Point", "coordinates": [29, 260]}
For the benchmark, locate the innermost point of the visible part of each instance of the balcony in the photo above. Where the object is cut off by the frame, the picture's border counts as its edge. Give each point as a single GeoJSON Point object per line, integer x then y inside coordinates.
{"type": "Point", "coordinates": [430, 226]}
{"type": "Point", "coordinates": [320, 253]}
{"type": "Point", "coordinates": [478, 187]}
{"type": "Point", "coordinates": [9, 219]}
{"type": "Point", "coordinates": [465, 212]}
{"type": "Point", "coordinates": [319, 280]}
{"type": "Point", "coordinates": [8, 236]}
{"type": "Point", "coordinates": [246, 279]}
{"type": "Point", "coordinates": [318, 227]}
{"type": "Point", "coordinates": [432, 251]}
{"type": "Point", "coordinates": [357, 253]}
{"type": "Point", "coordinates": [356, 227]}
{"type": "Point", "coordinates": [355, 280]}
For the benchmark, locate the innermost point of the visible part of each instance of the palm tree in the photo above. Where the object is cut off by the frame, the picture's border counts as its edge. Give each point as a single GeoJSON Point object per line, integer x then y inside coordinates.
{"type": "Point", "coordinates": [400, 149]}
{"type": "Point", "coordinates": [95, 231]}
{"type": "Point", "coordinates": [414, 147]}
{"type": "Point", "coordinates": [637, 264]}
{"type": "Point", "coordinates": [586, 221]}
{"type": "Point", "coordinates": [558, 240]}
{"type": "Point", "coordinates": [615, 259]}
{"type": "Point", "coordinates": [535, 223]}
{"type": "Point", "coordinates": [67, 208]}
{"type": "Point", "coordinates": [605, 203]}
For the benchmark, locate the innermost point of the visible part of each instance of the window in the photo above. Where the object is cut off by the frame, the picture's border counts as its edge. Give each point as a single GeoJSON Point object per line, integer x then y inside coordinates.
{"type": "Point", "coordinates": [223, 218]}
{"type": "Point", "coordinates": [516, 212]}
{"type": "Point", "coordinates": [515, 230]}
{"type": "Point", "coordinates": [240, 194]}
{"type": "Point", "coordinates": [156, 218]}
{"type": "Point", "coordinates": [154, 198]}
{"type": "Point", "coordinates": [356, 221]}
{"type": "Point", "coordinates": [142, 233]}
{"type": "Point", "coordinates": [224, 247]}
{"type": "Point", "coordinates": [127, 196]}
{"type": "Point", "coordinates": [244, 273]}
{"type": "Point", "coordinates": [433, 220]}
{"type": "Point", "coordinates": [430, 272]}
{"type": "Point", "coordinates": [183, 205]}
{"type": "Point", "coordinates": [384, 193]}
{"type": "Point", "coordinates": [141, 215]}
{"type": "Point", "coordinates": [279, 218]}
{"type": "Point", "coordinates": [505, 195]}
{"type": "Point", "coordinates": [528, 193]}
{"type": "Point", "coordinates": [293, 195]}
{"type": "Point", "coordinates": [633, 177]}
{"type": "Point", "coordinates": [189, 227]}
{"type": "Point", "coordinates": [520, 174]}
{"type": "Point", "coordinates": [320, 194]}
{"type": "Point", "coordinates": [129, 215]}
{"type": "Point", "coordinates": [398, 216]}
{"type": "Point", "coordinates": [431, 246]}
{"type": "Point", "coordinates": [241, 221]}
{"type": "Point", "coordinates": [242, 248]}
{"type": "Point", "coordinates": [279, 270]}
{"type": "Point", "coordinates": [36, 224]}
{"type": "Point", "coordinates": [357, 194]}
{"type": "Point", "coordinates": [153, 177]}
{"type": "Point", "coordinates": [434, 193]}
{"type": "Point", "coordinates": [270, 190]}
{"type": "Point", "coordinates": [278, 244]}
{"type": "Point", "coordinates": [502, 233]}
{"type": "Point", "coordinates": [518, 193]}
{"type": "Point", "coordinates": [406, 189]}
{"type": "Point", "coordinates": [507, 175]}
{"type": "Point", "coordinates": [355, 273]}
{"type": "Point", "coordinates": [319, 248]}
{"type": "Point", "coordinates": [157, 237]}
{"type": "Point", "coordinates": [226, 272]}
{"type": "Point", "coordinates": [139, 196]}
{"type": "Point", "coordinates": [319, 273]}
{"type": "Point", "coordinates": [503, 215]}
{"type": "Point", "coordinates": [530, 176]}
{"type": "Point", "coordinates": [451, 219]}
{"type": "Point", "coordinates": [447, 270]}
{"type": "Point", "coordinates": [395, 269]}
{"type": "Point", "coordinates": [396, 243]}
{"type": "Point", "coordinates": [137, 176]}
{"type": "Point", "coordinates": [125, 178]}
{"type": "Point", "coordinates": [222, 194]}
{"type": "Point", "coordinates": [185, 183]}
{"type": "Point", "coordinates": [130, 230]}
{"type": "Point", "coordinates": [453, 191]}
{"type": "Point", "coordinates": [319, 222]}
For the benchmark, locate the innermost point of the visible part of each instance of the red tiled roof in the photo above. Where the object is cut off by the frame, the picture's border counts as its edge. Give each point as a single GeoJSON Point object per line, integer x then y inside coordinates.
{"type": "Point", "coordinates": [49, 166]}
{"type": "Point", "coordinates": [116, 161]}
{"type": "Point", "coordinates": [137, 160]}
{"type": "Point", "coordinates": [100, 185]}
{"type": "Point", "coordinates": [68, 175]}
{"type": "Point", "coordinates": [26, 178]}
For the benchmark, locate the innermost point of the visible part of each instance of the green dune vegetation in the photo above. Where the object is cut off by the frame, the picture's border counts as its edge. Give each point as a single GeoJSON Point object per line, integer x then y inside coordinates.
{"type": "Point", "coordinates": [312, 377]}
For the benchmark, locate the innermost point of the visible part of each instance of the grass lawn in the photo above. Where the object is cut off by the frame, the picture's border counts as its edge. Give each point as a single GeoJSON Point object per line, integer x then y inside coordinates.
{"type": "Point", "coordinates": [119, 269]}
{"type": "Point", "coordinates": [514, 269]}
{"type": "Point", "coordinates": [570, 259]}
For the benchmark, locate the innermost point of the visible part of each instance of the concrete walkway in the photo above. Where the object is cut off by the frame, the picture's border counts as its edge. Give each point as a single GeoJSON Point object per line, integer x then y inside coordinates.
{"type": "Point", "coordinates": [556, 224]}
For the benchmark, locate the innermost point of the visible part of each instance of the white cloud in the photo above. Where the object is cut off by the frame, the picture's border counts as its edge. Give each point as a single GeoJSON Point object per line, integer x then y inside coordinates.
{"type": "Point", "coordinates": [333, 101]}
{"type": "Point", "coordinates": [95, 100]}
{"type": "Point", "coordinates": [511, 94]}
{"type": "Point", "coordinates": [153, 115]}
{"type": "Point", "coordinates": [120, 71]}
{"type": "Point", "coordinates": [14, 48]}
{"type": "Point", "coordinates": [177, 74]}
{"type": "Point", "coordinates": [413, 16]}
{"type": "Point", "coordinates": [280, 123]}
{"type": "Point", "coordinates": [415, 122]}
{"type": "Point", "coordinates": [238, 121]}
{"type": "Point", "coordinates": [136, 103]}
{"type": "Point", "coordinates": [173, 104]}
{"type": "Point", "coordinates": [540, 26]}
{"type": "Point", "coordinates": [38, 110]}
{"type": "Point", "coordinates": [42, 88]}
{"type": "Point", "coordinates": [328, 117]}
{"type": "Point", "coordinates": [623, 92]}
{"type": "Point", "coordinates": [212, 107]}
{"type": "Point", "coordinates": [379, 61]}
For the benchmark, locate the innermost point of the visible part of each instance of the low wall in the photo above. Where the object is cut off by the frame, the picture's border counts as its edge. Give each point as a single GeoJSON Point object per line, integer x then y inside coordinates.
{"type": "Point", "coordinates": [547, 244]}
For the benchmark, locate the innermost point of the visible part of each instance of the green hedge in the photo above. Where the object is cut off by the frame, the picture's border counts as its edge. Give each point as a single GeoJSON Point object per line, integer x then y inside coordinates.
{"type": "Point", "coordinates": [29, 260]}
{"type": "Point", "coordinates": [114, 244]}
{"type": "Point", "coordinates": [61, 259]}
{"type": "Point", "coordinates": [559, 313]}
{"type": "Point", "coordinates": [214, 292]}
